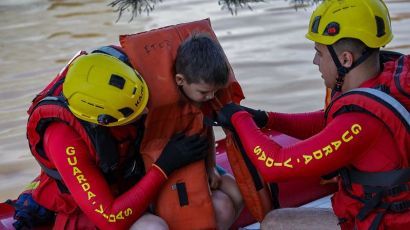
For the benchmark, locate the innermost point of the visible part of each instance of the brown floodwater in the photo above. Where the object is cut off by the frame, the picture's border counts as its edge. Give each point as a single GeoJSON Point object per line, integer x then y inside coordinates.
{"type": "Point", "coordinates": [268, 51]}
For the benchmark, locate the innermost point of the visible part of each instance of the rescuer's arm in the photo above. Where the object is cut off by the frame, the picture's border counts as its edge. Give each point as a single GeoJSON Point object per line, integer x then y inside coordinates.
{"type": "Point", "coordinates": [90, 190]}
{"type": "Point", "coordinates": [343, 140]}
{"type": "Point", "coordinates": [298, 125]}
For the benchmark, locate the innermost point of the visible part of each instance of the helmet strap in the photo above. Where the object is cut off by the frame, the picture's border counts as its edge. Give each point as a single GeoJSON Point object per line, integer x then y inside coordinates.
{"type": "Point", "coordinates": [341, 70]}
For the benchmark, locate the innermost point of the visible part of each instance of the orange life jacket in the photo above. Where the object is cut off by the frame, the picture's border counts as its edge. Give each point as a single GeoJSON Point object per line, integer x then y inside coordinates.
{"type": "Point", "coordinates": [184, 201]}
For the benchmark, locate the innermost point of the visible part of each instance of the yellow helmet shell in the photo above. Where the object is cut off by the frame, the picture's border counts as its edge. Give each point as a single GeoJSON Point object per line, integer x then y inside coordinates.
{"type": "Point", "coordinates": [366, 20]}
{"type": "Point", "coordinates": [103, 90]}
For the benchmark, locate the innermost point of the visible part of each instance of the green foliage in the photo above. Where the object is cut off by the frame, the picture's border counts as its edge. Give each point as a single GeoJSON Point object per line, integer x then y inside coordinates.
{"type": "Point", "coordinates": [234, 5]}
{"type": "Point", "coordinates": [304, 3]}
{"type": "Point", "coordinates": [138, 7]}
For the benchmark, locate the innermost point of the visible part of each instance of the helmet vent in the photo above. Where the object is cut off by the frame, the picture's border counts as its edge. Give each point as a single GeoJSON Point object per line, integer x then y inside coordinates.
{"type": "Point", "coordinates": [117, 81]}
{"type": "Point", "coordinates": [380, 27]}
{"type": "Point", "coordinates": [126, 111]}
{"type": "Point", "coordinates": [315, 24]}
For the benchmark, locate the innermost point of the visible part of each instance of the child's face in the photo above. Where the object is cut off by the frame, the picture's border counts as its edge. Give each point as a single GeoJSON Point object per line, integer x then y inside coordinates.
{"type": "Point", "coordinates": [197, 92]}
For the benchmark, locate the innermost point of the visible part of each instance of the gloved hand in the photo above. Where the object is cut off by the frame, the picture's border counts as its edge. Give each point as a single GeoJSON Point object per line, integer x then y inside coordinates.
{"type": "Point", "coordinates": [224, 116]}
{"type": "Point", "coordinates": [180, 151]}
{"type": "Point", "coordinates": [260, 117]}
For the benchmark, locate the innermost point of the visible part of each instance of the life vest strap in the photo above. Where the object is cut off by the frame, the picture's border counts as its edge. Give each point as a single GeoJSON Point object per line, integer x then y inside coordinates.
{"type": "Point", "coordinates": [252, 169]}
{"type": "Point", "coordinates": [383, 179]}
{"type": "Point", "coordinates": [376, 186]}
{"type": "Point", "coordinates": [259, 184]}
{"type": "Point", "coordinates": [182, 193]}
{"type": "Point", "coordinates": [401, 87]}
{"type": "Point", "coordinates": [377, 220]}
{"type": "Point", "coordinates": [392, 207]}
{"type": "Point", "coordinates": [399, 206]}
{"type": "Point", "coordinates": [387, 100]}
{"type": "Point", "coordinates": [112, 51]}
{"type": "Point", "coordinates": [375, 202]}
{"type": "Point", "coordinates": [56, 176]}
{"type": "Point", "coordinates": [388, 55]}
{"type": "Point", "coordinates": [50, 172]}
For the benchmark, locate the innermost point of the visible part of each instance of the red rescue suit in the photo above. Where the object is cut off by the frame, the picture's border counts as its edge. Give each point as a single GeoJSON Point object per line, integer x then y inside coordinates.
{"type": "Point", "coordinates": [59, 141]}
{"type": "Point", "coordinates": [364, 140]}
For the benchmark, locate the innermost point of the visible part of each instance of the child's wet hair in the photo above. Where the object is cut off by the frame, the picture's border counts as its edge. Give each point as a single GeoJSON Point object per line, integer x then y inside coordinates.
{"type": "Point", "coordinates": [201, 59]}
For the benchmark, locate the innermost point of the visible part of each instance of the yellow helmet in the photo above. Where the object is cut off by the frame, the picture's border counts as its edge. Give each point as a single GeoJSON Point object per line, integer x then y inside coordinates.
{"type": "Point", "coordinates": [101, 89]}
{"type": "Point", "coordinates": [366, 20]}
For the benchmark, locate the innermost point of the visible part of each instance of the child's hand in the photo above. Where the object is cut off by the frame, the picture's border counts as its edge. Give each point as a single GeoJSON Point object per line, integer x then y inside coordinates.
{"type": "Point", "coordinates": [214, 178]}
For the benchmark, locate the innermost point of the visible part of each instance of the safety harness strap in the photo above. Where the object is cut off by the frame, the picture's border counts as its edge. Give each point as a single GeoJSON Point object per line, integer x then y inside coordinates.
{"type": "Point", "coordinates": [115, 52]}
{"type": "Point", "coordinates": [273, 187]}
{"type": "Point", "coordinates": [385, 179]}
{"type": "Point", "coordinates": [50, 172]}
{"type": "Point", "coordinates": [379, 185]}
{"type": "Point", "coordinates": [374, 194]}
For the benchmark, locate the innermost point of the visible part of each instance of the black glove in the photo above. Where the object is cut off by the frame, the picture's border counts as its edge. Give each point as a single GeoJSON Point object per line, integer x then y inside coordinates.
{"type": "Point", "coordinates": [182, 150]}
{"type": "Point", "coordinates": [224, 116]}
{"type": "Point", "coordinates": [260, 117]}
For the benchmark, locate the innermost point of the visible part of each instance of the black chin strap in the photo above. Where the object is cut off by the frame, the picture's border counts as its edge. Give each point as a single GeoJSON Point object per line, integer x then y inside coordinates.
{"type": "Point", "coordinates": [341, 70]}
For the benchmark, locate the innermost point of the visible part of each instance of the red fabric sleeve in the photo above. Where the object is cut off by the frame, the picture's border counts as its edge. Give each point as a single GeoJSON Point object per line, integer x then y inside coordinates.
{"type": "Point", "coordinates": [299, 125]}
{"type": "Point", "coordinates": [87, 185]}
{"type": "Point", "coordinates": [342, 142]}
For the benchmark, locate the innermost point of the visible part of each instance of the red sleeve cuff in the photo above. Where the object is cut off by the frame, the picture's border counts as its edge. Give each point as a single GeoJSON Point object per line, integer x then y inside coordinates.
{"type": "Point", "coordinates": [157, 168]}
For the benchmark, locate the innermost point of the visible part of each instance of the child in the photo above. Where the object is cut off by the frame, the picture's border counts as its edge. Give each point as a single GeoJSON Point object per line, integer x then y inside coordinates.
{"type": "Point", "coordinates": [201, 70]}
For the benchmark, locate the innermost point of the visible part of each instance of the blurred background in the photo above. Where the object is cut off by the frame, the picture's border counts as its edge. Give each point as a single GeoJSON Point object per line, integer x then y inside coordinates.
{"type": "Point", "coordinates": [266, 47]}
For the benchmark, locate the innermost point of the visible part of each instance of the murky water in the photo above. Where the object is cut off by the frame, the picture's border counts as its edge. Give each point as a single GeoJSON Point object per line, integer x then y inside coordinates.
{"type": "Point", "coordinates": [266, 47]}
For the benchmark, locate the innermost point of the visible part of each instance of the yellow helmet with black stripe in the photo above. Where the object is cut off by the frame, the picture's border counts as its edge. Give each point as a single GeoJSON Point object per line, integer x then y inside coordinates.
{"type": "Point", "coordinates": [101, 89]}
{"type": "Point", "coordinates": [365, 20]}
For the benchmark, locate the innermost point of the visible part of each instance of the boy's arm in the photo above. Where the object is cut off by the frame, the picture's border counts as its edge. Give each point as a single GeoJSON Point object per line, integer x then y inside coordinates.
{"type": "Point", "coordinates": [210, 162]}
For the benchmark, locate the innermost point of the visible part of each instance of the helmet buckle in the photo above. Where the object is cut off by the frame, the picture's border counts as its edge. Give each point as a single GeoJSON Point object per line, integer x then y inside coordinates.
{"type": "Point", "coordinates": [105, 119]}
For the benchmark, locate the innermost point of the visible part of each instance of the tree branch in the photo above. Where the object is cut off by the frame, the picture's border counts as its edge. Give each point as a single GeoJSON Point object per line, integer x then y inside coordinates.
{"type": "Point", "coordinates": [139, 6]}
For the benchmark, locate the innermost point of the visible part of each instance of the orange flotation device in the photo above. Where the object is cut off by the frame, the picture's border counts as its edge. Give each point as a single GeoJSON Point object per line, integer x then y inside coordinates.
{"type": "Point", "coordinates": [184, 201]}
